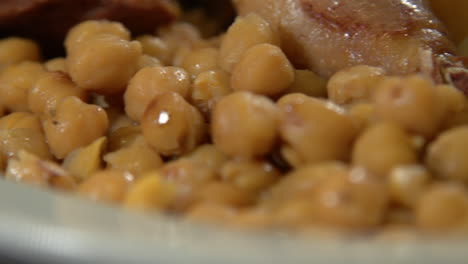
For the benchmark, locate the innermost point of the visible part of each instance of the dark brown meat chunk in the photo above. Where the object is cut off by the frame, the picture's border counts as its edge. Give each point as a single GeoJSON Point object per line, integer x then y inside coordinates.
{"type": "Point", "coordinates": [49, 20]}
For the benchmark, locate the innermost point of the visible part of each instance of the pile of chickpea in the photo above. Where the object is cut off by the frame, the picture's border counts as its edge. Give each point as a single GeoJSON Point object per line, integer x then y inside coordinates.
{"type": "Point", "coordinates": [226, 130]}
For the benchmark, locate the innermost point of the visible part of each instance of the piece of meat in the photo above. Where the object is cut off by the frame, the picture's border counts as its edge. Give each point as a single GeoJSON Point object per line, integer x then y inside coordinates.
{"type": "Point", "coordinates": [49, 20]}
{"type": "Point", "coordinates": [329, 35]}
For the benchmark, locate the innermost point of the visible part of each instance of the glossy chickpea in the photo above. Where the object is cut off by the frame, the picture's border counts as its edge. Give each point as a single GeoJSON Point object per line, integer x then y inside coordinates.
{"type": "Point", "coordinates": [442, 207]}
{"type": "Point", "coordinates": [180, 35]}
{"type": "Point", "coordinates": [123, 137]}
{"type": "Point", "coordinates": [137, 158]}
{"type": "Point", "coordinates": [263, 69]}
{"type": "Point", "coordinates": [407, 184]}
{"type": "Point", "coordinates": [109, 72]}
{"type": "Point", "coordinates": [172, 126]}
{"type": "Point", "coordinates": [147, 61]}
{"type": "Point", "coordinates": [106, 186]}
{"type": "Point", "coordinates": [28, 139]}
{"type": "Point", "coordinates": [49, 90]}
{"type": "Point", "coordinates": [15, 83]}
{"type": "Point", "coordinates": [209, 155]}
{"type": "Point", "coordinates": [21, 120]}
{"type": "Point", "coordinates": [244, 33]}
{"type": "Point", "coordinates": [362, 114]}
{"type": "Point", "coordinates": [208, 88]}
{"type": "Point", "coordinates": [83, 32]}
{"type": "Point", "coordinates": [446, 156]}
{"type": "Point", "coordinates": [56, 64]}
{"type": "Point", "coordinates": [14, 50]}
{"type": "Point", "coordinates": [382, 147]}
{"type": "Point", "coordinates": [155, 47]}
{"type": "Point", "coordinates": [74, 124]}
{"type": "Point", "coordinates": [454, 100]}
{"type": "Point", "coordinates": [249, 175]}
{"type": "Point", "coordinates": [222, 193]}
{"type": "Point", "coordinates": [353, 200]}
{"type": "Point", "coordinates": [150, 82]}
{"type": "Point", "coordinates": [245, 125]}
{"type": "Point", "coordinates": [200, 60]}
{"type": "Point", "coordinates": [354, 84]}
{"type": "Point", "coordinates": [308, 83]}
{"type": "Point", "coordinates": [149, 192]}
{"type": "Point", "coordinates": [316, 130]}
{"type": "Point", "coordinates": [412, 102]}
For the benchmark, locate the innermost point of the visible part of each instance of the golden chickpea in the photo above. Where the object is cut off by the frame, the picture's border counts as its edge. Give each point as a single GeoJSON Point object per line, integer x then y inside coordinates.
{"type": "Point", "coordinates": [49, 90]}
{"type": "Point", "coordinates": [263, 69]}
{"type": "Point", "coordinates": [147, 61]}
{"type": "Point", "coordinates": [317, 130]}
{"type": "Point", "coordinates": [443, 207]}
{"type": "Point", "coordinates": [137, 158]}
{"type": "Point", "coordinates": [74, 124]}
{"type": "Point", "coordinates": [56, 64]}
{"type": "Point", "coordinates": [209, 155]}
{"type": "Point", "coordinates": [14, 50]}
{"type": "Point", "coordinates": [456, 120]}
{"type": "Point", "coordinates": [244, 33]}
{"type": "Point", "coordinates": [295, 214]}
{"type": "Point", "coordinates": [200, 60]}
{"type": "Point", "coordinates": [354, 84]}
{"type": "Point", "coordinates": [412, 102]}
{"type": "Point", "coordinates": [106, 186]}
{"type": "Point", "coordinates": [119, 121]}
{"type": "Point", "coordinates": [21, 120]}
{"type": "Point", "coordinates": [362, 114]}
{"type": "Point", "coordinates": [308, 83]}
{"type": "Point", "coordinates": [245, 125]}
{"type": "Point", "coordinates": [155, 47]}
{"type": "Point", "coordinates": [104, 64]}
{"type": "Point", "coordinates": [149, 193]}
{"type": "Point", "coordinates": [150, 82]}
{"type": "Point", "coordinates": [123, 137]}
{"type": "Point", "coordinates": [353, 200]}
{"type": "Point", "coordinates": [172, 126]}
{"type": "Point", "coordinates": [250, 176]}
{"type": "Point", "coordinates": [83, 32]}
{"type": "Point", "coordinates": [208, 88]}
{"type": "Point", "coordinates": [28, 139]}
{"type": "Point", "coordinates": [28, 168]}
{"type": "Point", "coordinates": [446, 156]}
{"type": "Point", "coordinates": [453, 99]}
{"type": "Point", "coordinates": [222, 193]}
{"type": "Point", "coordinates": [382, 147]}
{"type": "Point", "coordinates": [15, 83]}
{"type": "Point", "coordinates": [407, 183]}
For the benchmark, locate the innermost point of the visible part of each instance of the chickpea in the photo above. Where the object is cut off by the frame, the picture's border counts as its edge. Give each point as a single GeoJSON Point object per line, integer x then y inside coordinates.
{"type": "Point", "coordinates": [354, 84]}
{"type": "Point", "coordinates": [443, 207]}
{"type": "Point", "coordinates": [74, 124]}
{"type": "Point", "coordinates": [354, 200]}
{"type": "Point", "coordinates": [243, 34]}
{"type": "Point", "coordinates": [295, 214]}
{"type": "Point", "coordinates": [138, 158]}
{"type": "Point", "coordinates": [213, 213]}
{"type": "Point", "coordinates": [362, 114]}
{"type": "Point", "coordinates": [208, 88]}
{"type": "Point", "coordinates": [106, 186]}
{"type": "Point", "coordinates": [109, 72]}
{"type": "Point", "coordinates": [120, 120]}
{"type": "Point", "coordinates": [15, 83]}
{"type": "Point", "coordinates": [446, 156]}
{"type": "Point", "coordinates": [222, 193]}
{"type": "Point", "coordinates": [150, 82]}
{"type": "Point", "coordinates": [456, 120]}
{"type": "Point", "coordinates": [56, 64]}
{"type": "Point", "coordinates": [172, 126]}
{"type": "Point", "coordinates": [28, 168]}
{"type": "Point", "coordinates": [123, 137]}
{"type": "Point", "coordinates": [149, 193]}
{"type": "Point", "coordinates": [245, 125]}
{"type": "Point", "coordinates": [83, 32]}
{"type": "Point", "coordinates": [180, 33]}
{"type": "Point", "coordinates": [407, 183]}
{"type": "Point", "coordinates": [209, 155]}
{"type": "Point", "coordinates": [316, 130]}
{"type": "Point", "coordinates": [412, 102]}
{"type": "Point", "coordinates": [21, 120]}
{"type": "Point", "coordinates": [49, 90]}
{"type": "Point", "coordinates": [249, 175]}
{"type": "Point", "coordinates": [308, 83]}
{"type": "Point", "coordinates": [200, 60]}
{"type": "Point", "coordinates": [453, 99]}
{"type": "Point", "coordinates": [155, 47]}
{"type": "Point", "coordinates": [263, 69]}
{"type": "Point", "coordinates": [28, 139]}
{"type": "Point", "coordinates": [14, 50]}
{"type": "Point", "coordinates": [382, 147]}
{"type": "Point", "coordinates": [147, 61]}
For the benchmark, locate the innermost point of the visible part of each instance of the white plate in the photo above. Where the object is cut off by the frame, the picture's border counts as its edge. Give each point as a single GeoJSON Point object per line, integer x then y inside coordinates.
{"type": "Point", "coordinates": [44, 227]}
